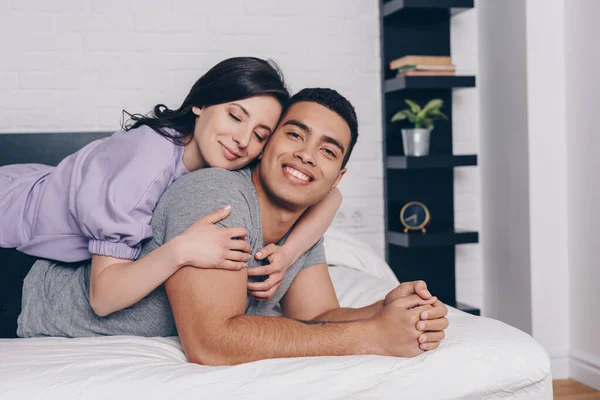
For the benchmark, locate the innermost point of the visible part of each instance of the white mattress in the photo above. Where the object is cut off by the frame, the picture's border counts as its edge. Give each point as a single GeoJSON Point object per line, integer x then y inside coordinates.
{"type": "Point", "coordinates": [480, 359]}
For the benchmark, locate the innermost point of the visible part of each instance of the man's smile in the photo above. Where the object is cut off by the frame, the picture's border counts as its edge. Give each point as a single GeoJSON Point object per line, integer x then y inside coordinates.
{"type": "Point", "coordinates": [297, 176]}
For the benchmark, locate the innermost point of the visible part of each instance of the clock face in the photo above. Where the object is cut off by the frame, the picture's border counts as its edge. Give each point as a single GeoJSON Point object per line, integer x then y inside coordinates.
{"type": "Point", "coordinates": [414, 215]}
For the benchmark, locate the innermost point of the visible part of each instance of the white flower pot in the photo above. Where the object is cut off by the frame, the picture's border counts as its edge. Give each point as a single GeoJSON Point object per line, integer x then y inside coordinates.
{"type": "Point", "coordinates": [416, 141]}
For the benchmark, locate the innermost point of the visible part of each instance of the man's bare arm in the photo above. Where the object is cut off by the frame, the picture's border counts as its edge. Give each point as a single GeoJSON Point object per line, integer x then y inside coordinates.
{"type": "Point", "coordinates": [209, 307]}
{"type": "Point", "coordinates": [312, 298]}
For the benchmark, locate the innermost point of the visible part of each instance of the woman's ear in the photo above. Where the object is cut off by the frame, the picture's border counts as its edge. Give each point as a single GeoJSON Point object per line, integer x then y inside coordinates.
{"type": "Point", "coordinates": [196, 110]}
{"type": "Point", "coordinates": [260, 156]}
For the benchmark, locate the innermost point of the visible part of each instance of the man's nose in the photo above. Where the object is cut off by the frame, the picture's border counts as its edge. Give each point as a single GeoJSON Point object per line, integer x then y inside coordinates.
{"type": "Point", "coordinates": [306, 156]}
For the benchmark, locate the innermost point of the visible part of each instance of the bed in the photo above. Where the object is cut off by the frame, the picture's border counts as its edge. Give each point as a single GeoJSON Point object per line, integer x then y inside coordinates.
{"type": "Point", "coordinates": [480, 358]}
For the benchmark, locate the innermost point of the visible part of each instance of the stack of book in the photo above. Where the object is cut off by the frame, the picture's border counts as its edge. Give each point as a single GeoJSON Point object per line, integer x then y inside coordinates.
{"type": "Point", "coordinates": [423, 66]}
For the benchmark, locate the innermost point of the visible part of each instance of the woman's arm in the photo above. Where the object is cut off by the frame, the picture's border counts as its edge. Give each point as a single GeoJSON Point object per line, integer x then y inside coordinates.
{"type": "Point", "coordinates": [118, 283]}
{"type": "Point", "coordinates": [313, 224]}
{"type": "Point", "coordinates": [307, 231]}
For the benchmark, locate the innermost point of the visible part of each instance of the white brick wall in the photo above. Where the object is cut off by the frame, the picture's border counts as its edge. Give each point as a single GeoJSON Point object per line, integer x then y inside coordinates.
{"type": "Point", "coordinates": [467, 198]}
{"type": "Point", "coordinates": [75, 64]}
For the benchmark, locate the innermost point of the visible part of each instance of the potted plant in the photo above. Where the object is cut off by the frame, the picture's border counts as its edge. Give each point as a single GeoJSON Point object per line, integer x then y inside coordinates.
{"type": "Point", "coordinates": [416, 140]}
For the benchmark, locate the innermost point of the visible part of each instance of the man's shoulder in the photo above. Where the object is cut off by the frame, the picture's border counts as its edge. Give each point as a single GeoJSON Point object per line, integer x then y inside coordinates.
{"type": "Point", "coordinates": [212, 182]}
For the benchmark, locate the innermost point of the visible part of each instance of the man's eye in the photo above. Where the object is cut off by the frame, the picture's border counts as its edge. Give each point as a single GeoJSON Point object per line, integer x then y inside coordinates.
{"type": "Point", "coordinates": [330, 153]}
{"type": "Point", "coordinates": [294, 135]}
{"type": "Point", "coordinates": [234, 117]}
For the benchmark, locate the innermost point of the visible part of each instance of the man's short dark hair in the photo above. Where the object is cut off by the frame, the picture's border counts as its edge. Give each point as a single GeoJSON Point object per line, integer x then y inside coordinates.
{"type": "Point", "coordinates": [335, 102]}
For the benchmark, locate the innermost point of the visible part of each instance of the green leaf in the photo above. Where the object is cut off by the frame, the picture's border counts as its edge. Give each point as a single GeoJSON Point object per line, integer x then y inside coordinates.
{"type": "Point", "coordinates": [428, 123]}
{"type": "Point", "coordinates": [415, 108]}
{"type": "Point", "coordinates": [410, 115]}
{"type": "Point", "coordinates": [437, 113]}
{"type": "Point", "coordinates": [432, 105]}
{"type": "Point", "coordinates": [399, 116]}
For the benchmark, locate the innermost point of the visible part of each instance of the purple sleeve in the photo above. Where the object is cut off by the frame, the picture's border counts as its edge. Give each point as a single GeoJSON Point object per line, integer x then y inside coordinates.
{"type": "Point", "coordinates": [121, 182]}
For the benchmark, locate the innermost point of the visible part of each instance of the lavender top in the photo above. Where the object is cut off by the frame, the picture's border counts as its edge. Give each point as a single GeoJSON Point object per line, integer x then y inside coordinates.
{"type": "Point", "coordinates": [98, 200]}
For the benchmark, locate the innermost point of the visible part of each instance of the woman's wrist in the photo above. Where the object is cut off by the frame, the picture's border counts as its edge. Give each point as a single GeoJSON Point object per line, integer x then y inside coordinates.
{"type": "Point", "coordinates": [175, 253]}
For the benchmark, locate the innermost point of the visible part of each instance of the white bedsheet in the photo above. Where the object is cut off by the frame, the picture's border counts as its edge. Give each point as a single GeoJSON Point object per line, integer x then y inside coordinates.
{"type": "Point", "coordinates": [480, 359]}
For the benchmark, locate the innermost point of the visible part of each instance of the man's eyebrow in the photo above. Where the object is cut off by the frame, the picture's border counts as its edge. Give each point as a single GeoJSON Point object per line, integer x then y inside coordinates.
{"type": "Point", "coordinates": [329, 139]}
{"type": "Point", "coordinates": [308, 129]}
{"type": "Point", "coordinates": [299, 124]}
{"type": "Point", "coordinates": [248, 114]}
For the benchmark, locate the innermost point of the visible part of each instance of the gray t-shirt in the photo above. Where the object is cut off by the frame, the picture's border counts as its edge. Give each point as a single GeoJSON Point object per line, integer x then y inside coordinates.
{"type": "Point", "coordinates": [56, 295]}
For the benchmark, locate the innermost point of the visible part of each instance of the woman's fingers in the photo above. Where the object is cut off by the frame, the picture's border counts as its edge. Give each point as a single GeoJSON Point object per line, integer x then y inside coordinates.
{"type": "Point", "coordinates": [216, 215]}
{"type": "Point", "coordinates": [266, 295]}
{"type": "Point", "coordinates": [237, 256]}
{"type": "Point", "coordinates": [261, 271]}
{"type": "Point", "coordinates": [232, 265]}
{"type": "Point", "coordinates": [240, 245]}
{"type": "Point", "coordinates": [235, 232]}
{"type": "Point", "coordinates": [264, 286]}
{"type": "Point", "coordinates": [266, 251]}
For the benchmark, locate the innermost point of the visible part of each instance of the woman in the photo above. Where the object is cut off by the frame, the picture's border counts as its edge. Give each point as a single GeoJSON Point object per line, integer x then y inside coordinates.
{"type": "Point", "coordinates": [98, 202]}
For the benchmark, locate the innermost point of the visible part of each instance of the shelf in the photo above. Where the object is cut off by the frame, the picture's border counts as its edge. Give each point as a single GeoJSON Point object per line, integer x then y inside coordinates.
{"type": "Point", "coordinates": [455, 6]}
{"type": "Point", "coordinates": [428, 82]}
{"type": "Point", "coordinates": [431, 239]}
{"type": "Point", "coordinates": [449, 161]}
{"type": "Point", "coordinates": [466, 308]}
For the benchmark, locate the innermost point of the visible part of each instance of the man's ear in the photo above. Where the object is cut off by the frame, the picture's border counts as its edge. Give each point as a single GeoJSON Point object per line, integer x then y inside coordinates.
{"type": "Point", "coordinates": [339, 178]}
{"type": "Point", "coordinates": [196, 110]}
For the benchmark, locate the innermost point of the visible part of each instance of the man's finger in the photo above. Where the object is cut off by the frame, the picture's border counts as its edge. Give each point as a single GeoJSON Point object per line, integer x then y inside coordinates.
{"type": "Point", "coordinates": [439, 310]}
{"type": "Point", "coordinates": [437, 336]}
{"type": "Point", "coordinates": [418, 287]}
{"type": "Point", "coordinates": [412, 301]}
{"type": "Point", "coordinates": [433, 325]}
{"type": "Point", "coordinates": [266, 251]}
{"type": "Point", "coordinates": [216, 215]}
{"type": "Point", "coordinates": [429, 346]}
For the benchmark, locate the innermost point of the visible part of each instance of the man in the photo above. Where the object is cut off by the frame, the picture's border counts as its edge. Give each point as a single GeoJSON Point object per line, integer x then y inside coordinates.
{"type": "Point", "coordinates": [217, 321]}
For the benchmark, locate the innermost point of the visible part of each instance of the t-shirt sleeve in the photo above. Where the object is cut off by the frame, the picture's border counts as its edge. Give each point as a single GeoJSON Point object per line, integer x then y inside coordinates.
{"type": "Point", "coordinates": [315, 255]}
{"type": "Point", "coordinates": [195, 195]}
{"type": "Point", "coordinates": [120, 183]}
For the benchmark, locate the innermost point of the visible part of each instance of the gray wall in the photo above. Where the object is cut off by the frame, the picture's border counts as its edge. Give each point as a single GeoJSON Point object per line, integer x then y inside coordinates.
{"type": "Point", "coordinates": [583, 144]}
{"type": "Point", "coordinates": [502, 83]}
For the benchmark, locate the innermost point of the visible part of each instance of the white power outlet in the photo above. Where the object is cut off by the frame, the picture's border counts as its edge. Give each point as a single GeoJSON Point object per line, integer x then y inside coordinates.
{"type": "Point", "coordinates": [348, 217]}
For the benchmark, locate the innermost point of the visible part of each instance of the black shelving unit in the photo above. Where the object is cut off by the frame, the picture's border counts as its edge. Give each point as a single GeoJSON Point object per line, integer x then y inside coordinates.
{"type": "Point", "coordinates": [428, 82]}
{"type": "Point", "coordinates": [431, 239]}
{"type": "Point", "coordinates": [397, 6]}
{"type": "Point", "coordinates": [422, 27]}
{"type": "Point", "coordinates": [443, 161]}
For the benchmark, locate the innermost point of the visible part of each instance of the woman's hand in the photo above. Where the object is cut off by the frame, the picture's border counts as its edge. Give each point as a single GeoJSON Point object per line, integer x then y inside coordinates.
{"type": "Point", "coordinates": [280, 259]}
{"type": "Point", "coordinates": [204, 245]}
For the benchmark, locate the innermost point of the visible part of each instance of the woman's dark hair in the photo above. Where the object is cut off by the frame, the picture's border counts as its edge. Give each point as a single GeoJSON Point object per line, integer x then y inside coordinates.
{"type": "Point", "coordinates": [232, 79]}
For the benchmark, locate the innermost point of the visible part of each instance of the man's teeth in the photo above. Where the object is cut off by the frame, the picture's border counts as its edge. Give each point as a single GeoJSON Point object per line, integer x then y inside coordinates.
{"type": "Point", "coordinates": [297, 174]}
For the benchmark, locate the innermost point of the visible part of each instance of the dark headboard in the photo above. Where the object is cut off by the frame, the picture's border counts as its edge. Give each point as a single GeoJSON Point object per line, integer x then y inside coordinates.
{"type": "Point", "coordinates": [43, 148]}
